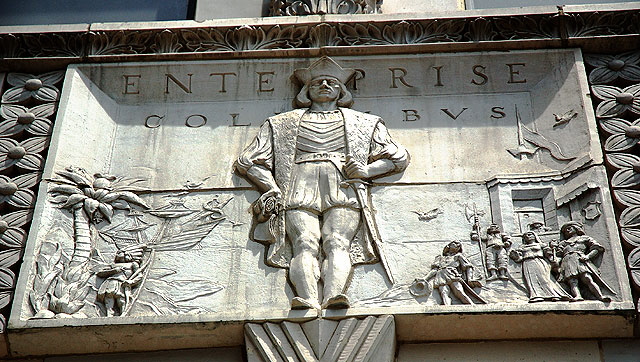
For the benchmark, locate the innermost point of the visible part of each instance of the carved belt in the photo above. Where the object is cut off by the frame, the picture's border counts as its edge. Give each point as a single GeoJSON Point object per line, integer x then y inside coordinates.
{"type": "Point", "coordinates": [333, 157]}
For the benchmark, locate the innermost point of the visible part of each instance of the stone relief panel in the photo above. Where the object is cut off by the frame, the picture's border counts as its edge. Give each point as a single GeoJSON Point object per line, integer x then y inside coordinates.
{"type": "Point", "coordinates": [180, 176]}
{"type": "Point", "coordinates": [119, 255]}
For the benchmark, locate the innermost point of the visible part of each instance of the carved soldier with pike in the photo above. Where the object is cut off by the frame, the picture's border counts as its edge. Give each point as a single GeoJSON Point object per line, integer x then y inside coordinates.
{"type": "Point", "coordinates": [311, 166]}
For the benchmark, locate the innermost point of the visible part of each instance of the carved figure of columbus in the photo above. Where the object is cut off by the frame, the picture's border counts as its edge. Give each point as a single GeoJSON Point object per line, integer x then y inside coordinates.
{"type": "Point", "coordinates": [311, 166]}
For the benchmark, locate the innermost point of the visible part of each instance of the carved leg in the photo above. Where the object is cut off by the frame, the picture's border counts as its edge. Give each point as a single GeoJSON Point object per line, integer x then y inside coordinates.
{"type": "Point", "coordinates": [492, 275]}
{"type": "Point", "coordinates": [502, 261]}
{"type": "Point", "coordinates": [458, 291]}
{"type": "Point", "coordinates": [444, 294]}
{"type": "Point", "coordinates": [575, 290]}
{"type": "Point", "coordinates": [303, 229]}
{"type": "Point", "coordinates": [109, 305]}
{"type": "Point", "coordinates": [339, 227]}
{"type": "Point", "coordinates": [491, 264]}
{"type": "Point", "coordinates": [120, 305]}
{"type": "Point", "coordinates": [593, 287]}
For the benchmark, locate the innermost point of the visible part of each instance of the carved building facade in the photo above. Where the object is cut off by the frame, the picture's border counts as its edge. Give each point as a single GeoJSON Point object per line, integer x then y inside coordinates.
{"type": "Point", "coordinates": [338, 180]}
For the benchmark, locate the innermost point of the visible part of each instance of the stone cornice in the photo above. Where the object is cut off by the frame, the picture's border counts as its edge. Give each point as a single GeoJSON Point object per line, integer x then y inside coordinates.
{"type": "Point", "coordinates": [590, 27]}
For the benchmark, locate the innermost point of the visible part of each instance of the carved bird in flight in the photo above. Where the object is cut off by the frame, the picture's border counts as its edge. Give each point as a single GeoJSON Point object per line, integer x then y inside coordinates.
{"type": "Point", "coordinates": [565, 117]}
{"type": "Point", "coordinates": [195, 184]}
{"type": "Point", "coordinates": [429, 215]}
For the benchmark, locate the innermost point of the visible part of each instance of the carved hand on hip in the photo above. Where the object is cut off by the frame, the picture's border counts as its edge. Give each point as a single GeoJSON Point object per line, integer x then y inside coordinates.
{"type": "Point", "coordinates": [355, 169]}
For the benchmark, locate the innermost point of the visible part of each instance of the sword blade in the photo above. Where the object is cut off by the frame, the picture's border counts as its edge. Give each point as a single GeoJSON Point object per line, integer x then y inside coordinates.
{"type": "Point", "coordinates": [367, 215]}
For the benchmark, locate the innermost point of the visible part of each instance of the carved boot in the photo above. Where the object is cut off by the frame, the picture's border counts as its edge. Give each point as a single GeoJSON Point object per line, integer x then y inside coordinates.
{"type": "Point", "coordinates": [492, 275]}
{"type": "Point", "coordinates": [298, 303]}
{"type": "Point", "coordinates": [339, 301]}
{"type": "Point", "coordinates": [502, 274]}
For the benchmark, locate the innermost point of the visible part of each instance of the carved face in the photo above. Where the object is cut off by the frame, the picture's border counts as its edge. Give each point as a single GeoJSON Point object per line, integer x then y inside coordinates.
{"type": "Point", "coordinates": [119, 256]}
{"type": "Point", "coordinates": [570, 231]}
{"type": "Point", "coordinates": [452, 248]}
{"type": "Point", "coordinates": [528, 237]}
{"type": "Point", "coordinates": [324, 89]}
{"type": "Point", "coordinates": [123, 257]}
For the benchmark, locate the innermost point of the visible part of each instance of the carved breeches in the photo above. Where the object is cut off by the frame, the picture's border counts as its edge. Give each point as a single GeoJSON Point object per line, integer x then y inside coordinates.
{"type": "Point", "coordinates": [316, 187]}
{"type": "Point", "coordinates": [572, 267]}
{"type": "Point", "coordinates": [111, 287]}
{"type": "Point", "coordinates": [496, 258]}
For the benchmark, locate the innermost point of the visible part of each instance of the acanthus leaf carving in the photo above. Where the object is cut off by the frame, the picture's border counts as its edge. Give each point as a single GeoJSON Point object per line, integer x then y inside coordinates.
{"type": "Point", "coordinates": [202, 40]}
{"type": "Point", "coordinates": [311, 7]}
{"type": "Point", "coordinates": [527, 27]}
{"type": "Point", "coordinates": [166, 41]}
{"type": "Point", "coordinates": [592, 24]}
{"type": "Point", "coordinates": [402, 32]}
{"type": "Point", "coordinates": [254, 38]}
{"type": "Point", "coordinates": [359, 34]}
{"type": "Point", "coordinates": [10, 46]}
{"type": "Point", "coordinates": [57, 45]}
{"type": "Point", "coordinates": [118, 42]}
{"type": "Point", "coordinates": [480, 29]}
{"type": "Point", "coordinates": [245, 38]}
{"type": "Point", "coordinates": [322, 35]}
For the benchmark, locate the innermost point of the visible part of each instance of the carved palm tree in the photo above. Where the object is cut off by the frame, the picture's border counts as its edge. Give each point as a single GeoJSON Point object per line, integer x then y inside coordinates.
{"type": "Point", "coordinates": [91, 199]}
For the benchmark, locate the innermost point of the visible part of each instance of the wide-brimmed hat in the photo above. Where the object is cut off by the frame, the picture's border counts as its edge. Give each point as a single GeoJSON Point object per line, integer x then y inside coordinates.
{"type": "Point", "coordinates": [324, 66]}
{"type": "Point", "coordinates": [571, 223]}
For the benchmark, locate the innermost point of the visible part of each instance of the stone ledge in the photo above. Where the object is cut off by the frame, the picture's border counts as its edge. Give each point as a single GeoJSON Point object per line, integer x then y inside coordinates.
{"type": "Point", "coordinates": [142, 334]}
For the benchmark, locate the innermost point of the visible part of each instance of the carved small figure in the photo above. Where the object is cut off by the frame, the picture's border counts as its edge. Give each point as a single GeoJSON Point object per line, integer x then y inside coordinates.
{"type": "Point", "coordinates": [452, 273]}
{"type": "Point", "coordinates": [577, 252]}
{"type": "Point", "coordinates": [121, 276]}
{"type": "Point", "coordinates": [495, 251]}
{"type": "Point", "coordinates": [536, 270]}
{"type": "Point", "coordinates": [311, 166]}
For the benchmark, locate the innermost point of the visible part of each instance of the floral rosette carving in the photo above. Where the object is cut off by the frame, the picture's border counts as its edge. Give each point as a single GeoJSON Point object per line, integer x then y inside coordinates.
{"type": "Point", "coordinates": [26, 110]}
{"type": "Point", "coordinates": [617, 101]}
{"type": "Point", "coordinates": [26, 86]}
{"type": "Point", "coordinates": [24, 155]}
{"type": "Point", "coordinates": [609, 68]}
{"type": "Point", "coordinates": [31, 120]}
{"type": "Point", "coordinates": [614, 85]}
